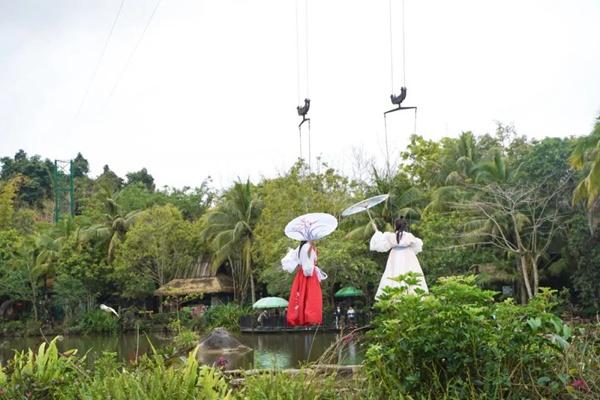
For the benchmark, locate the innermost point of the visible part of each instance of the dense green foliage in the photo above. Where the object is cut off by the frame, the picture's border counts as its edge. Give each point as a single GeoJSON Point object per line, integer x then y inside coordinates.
{"type": "Point", "coordinates": [226, 316]}
{"type": "Point", "coordinates": [129, 237]}
{"type": "Point", "coordinates": [291, 387]}
{"type": "Point", "coordinates": [459, 342]}
{"type": "Point", "coordinates": [48, 374]}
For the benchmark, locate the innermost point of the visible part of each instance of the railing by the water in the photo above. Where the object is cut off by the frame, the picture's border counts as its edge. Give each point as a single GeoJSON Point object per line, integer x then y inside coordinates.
{"type": "Point", "coordinates": [278, 323]}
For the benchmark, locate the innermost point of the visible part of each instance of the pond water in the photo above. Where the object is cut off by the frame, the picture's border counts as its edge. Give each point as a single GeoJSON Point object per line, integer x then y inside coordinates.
{"type": "Point", "coordinates": [271, 350]}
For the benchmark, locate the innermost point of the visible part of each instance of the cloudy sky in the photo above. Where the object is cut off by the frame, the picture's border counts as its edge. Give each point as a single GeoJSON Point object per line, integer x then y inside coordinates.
{"type": "Point", "coordinates": [190, 88]}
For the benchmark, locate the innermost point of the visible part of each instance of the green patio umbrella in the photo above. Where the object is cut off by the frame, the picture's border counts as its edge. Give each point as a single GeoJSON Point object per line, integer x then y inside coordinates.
{"type": "Point", "coordinates": [348, 291]}
{"type": "Point", "coordinates": [270, 302]}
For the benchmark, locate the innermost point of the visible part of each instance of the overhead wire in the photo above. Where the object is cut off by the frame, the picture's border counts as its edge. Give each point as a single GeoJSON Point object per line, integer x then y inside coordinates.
{"type": "Point", "coordinates": [133, 51]}
{"type": "Point", "coordinates": [99, 62]}
{"type": "Point", "coordinates": [391, 24]}
{"type": "Point", "coordinates": [403, 47]}
{"type": "Point", "coordinates": [298, 51]}
{"type": "Point", "coordinates": [298, 71]}
{"type": "Point", "coordinates": [391, 46]}
{"type": "Point", "coordinates": [306, 44]}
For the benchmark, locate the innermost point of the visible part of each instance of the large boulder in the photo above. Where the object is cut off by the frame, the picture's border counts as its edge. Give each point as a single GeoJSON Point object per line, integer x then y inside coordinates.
{"type": "Point", "coordinates": [221, 341]}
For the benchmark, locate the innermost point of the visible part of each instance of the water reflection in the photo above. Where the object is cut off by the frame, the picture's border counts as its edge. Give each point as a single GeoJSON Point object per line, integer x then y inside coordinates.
{"type": "Point", "coordinates": [124, 346]}
{"type": "Point", "coordinates": [272, 350]}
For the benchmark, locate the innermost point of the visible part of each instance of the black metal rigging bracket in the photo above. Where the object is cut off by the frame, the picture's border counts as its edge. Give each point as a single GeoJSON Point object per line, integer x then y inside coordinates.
{"type": "Point", "coordinates": [302, 111]}
{"type": "Point", "coordinates": [397, 100]}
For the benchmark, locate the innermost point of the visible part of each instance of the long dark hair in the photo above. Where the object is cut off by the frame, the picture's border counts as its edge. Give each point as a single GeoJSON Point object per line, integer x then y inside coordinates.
{"type": "Point", "coordinates": [401, 227]}
{"type": "Point", "coordinates": [302, 243]}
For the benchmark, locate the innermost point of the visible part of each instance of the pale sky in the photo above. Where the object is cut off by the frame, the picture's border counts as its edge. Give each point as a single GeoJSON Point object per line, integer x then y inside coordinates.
{"type": "Point", "coordinates": [212, 87]}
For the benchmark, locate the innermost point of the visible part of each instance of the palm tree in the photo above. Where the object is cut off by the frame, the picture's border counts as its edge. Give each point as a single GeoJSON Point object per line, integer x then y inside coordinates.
{"type": "Point", "coordinates": [460, 159]}
{"type": "Point", "coordinates": [229, 228]}
{"type": "Point", "coordinates": [586, 154]}
{"type": "Point", "coordinates": [113, 227]}
{"type": "Point", "coordinates": [495, 170]}
{"type": "Point", "coordinates": [458, 169]}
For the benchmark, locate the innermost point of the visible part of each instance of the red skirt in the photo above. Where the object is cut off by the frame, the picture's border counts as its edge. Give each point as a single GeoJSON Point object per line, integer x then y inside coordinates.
{"type": "Point", "coordinates": [306, 300]}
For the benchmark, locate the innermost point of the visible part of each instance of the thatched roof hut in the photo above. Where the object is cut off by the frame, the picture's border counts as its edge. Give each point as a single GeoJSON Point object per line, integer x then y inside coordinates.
{"type": "Point", "coordinates": [207, 285]}
{"type": "Point", "coordinates": [199, 278]}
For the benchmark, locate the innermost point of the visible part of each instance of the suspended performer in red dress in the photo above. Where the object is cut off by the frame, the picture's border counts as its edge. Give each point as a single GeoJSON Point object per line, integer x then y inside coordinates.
{"type": "Point", "coordinates": [305, 306]}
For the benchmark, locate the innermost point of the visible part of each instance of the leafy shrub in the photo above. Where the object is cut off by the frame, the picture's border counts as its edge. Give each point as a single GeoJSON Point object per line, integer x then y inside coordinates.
{"type": "Point", "coordinates": [154, 380]}
{"type": "Point", "coordinates": [186, 339]}
{"type": "Point", "coordinates": [458, 342]}
{"type": "Point", "coordinates": [32, 327]}
{"type": "Point", "coordinates": [98, 321]}
{"type": "Point", "coordinates": [162, 319]}
{"type": "Point", "coordinates": [283, 386]}
{"type": "Point", "coordinates": [45, 374]}
{"type": "Point", "coordinates": [226, 316]}
{"type": "Point", "coordinates": [48, 374]}
{"type": "Point", "coordinates": [12, 328]}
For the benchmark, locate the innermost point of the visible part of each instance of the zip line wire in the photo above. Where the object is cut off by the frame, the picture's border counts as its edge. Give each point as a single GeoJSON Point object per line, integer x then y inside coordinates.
{"type": "Point", "coordinates": [102, 53]}
{"type": "Point", "coordinates": [134, 50]}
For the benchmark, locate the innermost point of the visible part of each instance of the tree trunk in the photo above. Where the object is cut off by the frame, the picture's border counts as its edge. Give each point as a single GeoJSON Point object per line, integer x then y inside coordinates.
{"type": "Point", "coordinates": [248, 268]}
{"type": "Point", "coordinates": [252, 288]}
{"type": "Point", "coordinates": [536, 277]}
{"type": "Point", "coordinates": [34, 301]}
{"type": "Point", "coordinates": [523, 266]}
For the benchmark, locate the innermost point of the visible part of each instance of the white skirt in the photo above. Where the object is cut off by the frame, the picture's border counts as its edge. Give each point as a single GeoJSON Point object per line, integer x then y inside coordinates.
{"type": "Point", "coordinates": [400, 261]}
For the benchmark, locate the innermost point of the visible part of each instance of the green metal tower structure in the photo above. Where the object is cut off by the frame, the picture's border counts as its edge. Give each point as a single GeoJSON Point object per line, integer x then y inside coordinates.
{"type": "Point", "coordinates": [64, 189]}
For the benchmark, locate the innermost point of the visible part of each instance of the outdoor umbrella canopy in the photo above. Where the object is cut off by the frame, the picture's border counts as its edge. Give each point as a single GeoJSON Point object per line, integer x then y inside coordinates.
{"type": "Point", "coordinates": [312, 226]}
{"type": "Point", "coordinates": [271, 302]}
{"type": "Point", "coordinates": [348, 291]}
{"type": "Point", "coordinates": [365, 205]}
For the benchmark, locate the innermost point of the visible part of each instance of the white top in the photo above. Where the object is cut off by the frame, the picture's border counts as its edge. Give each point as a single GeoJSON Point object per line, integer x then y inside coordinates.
{"type": "Point", "coordinates": [307, 260]}
{"type": "Point", "coordinates": [385, 241]}
{"type": "Point", "coordinates": [402, 258]}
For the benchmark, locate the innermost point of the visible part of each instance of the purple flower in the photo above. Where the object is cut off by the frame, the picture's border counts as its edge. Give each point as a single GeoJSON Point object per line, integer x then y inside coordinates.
{"type": "Point", "coordinates": [221, 362]}
{"type": "Point", "coordinates": [580, 384]}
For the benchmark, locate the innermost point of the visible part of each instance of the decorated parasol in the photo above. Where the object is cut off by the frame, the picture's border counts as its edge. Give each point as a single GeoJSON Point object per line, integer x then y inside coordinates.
{"type": "Point", "coordinates": [365, 205]}
{"type": "Point", "coordinates": [312, 226]}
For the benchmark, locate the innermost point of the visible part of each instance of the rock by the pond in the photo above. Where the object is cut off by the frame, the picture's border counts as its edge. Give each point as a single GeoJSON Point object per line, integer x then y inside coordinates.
{"type": "Point", "coordinates": [221, 341]}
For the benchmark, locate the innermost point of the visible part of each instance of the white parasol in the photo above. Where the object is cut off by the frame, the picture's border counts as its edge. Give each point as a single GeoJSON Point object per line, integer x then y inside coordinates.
{"type": "Point", "coordinates": [365, 205]}
{"type": "Point", "coordinates": [312, 226]}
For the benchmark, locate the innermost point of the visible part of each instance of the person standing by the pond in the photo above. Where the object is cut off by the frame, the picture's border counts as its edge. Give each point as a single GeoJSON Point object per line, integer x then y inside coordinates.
{"type": "Point", "coordinates": [305, 305]}
{"type": "Point", "coordinates": [351, 315]}
{"type": "Point", "coordinates": [403, 247]}
{"type": "Point", "coordinates": [262, 317]}
{"type": "Point", "coordinates": [337, 313]}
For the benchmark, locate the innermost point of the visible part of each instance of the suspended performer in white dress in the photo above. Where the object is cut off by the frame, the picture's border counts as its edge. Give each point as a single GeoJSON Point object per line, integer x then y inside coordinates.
{"type": "Point", "coordinates": [403, 247]}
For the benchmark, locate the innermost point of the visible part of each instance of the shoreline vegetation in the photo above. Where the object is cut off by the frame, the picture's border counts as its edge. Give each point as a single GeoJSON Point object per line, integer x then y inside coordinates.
{"type": "Point", "coordinates": [510, 232]}
{"type": "Point", "coordinates": [455, 343]}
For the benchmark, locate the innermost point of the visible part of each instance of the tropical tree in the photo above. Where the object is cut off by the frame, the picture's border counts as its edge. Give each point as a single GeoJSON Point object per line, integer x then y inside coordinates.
{"type": "Point", "coordinates": [229, 228]}
{"type": "Point", "coordinates": [26, 274]}
{"type": "Point", "coordinates": [494, 170]}
{"type": "Point", "coordinates": [113, 227]}
{"type": "Point", "coordinates": [586, 155]}
{"type": "Point", "coordinates": [520, 221]}
{"type": "Point", "coordinates": [157, 249]}
{"type": "Point", "coordinates": [8, 191]}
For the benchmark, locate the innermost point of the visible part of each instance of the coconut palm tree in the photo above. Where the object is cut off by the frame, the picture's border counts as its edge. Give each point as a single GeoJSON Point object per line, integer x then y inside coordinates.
{"type": "Point", "coordinates": [495, 170]}
{"type": "Point", "coordinates": [586, 154]}
{"type": "Point", "coordinates": [229, 228]}
{"type": "Point", "coordinates": [114, 226]}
